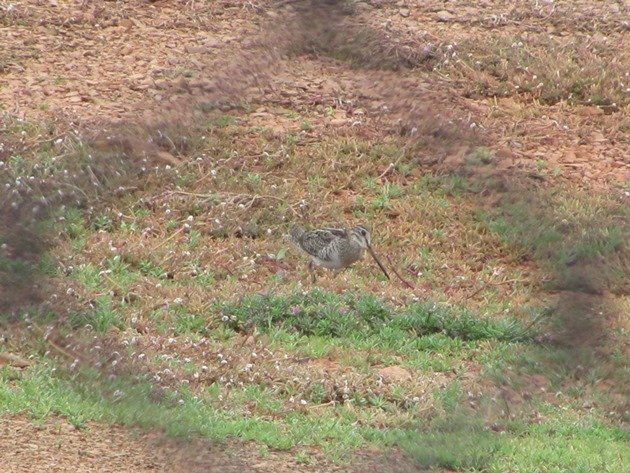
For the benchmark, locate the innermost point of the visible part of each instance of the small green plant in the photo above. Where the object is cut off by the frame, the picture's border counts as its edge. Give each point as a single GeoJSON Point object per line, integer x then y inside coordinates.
{"type": "Point", "coordinates": [222, 121]}
{"type": "Point", "coordinates": [194, 237]}
{"type": "Point", "coordinates": [102, 222]}
{"type": "Point", "coordinates": [481, 156]}
{"type": "Point", "coordinates": [74, 224]}
{"type": "Point", "coordinates": [149, 268]}
{"type": "Point", "coordinates": [293, 115]}
{"type": "Point", "coordinates": [100, 319]}
{"type": "Point", "coordinates": [253, 178]}
{"type": "Point", "coordinates": [186, 323]}
{"type": "Point", "coordinates": [87, 274]}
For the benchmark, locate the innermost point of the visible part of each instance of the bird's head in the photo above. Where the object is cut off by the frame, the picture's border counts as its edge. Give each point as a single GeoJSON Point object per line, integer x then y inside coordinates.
{"type": "Point", "coordinates": [361, 235]}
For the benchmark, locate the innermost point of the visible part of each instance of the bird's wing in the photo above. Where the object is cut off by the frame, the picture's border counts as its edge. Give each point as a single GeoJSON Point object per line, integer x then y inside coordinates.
{"type": "Point", "coordinates": [315, 241]}
{"type": "Point", "coordinates": [338, 232]}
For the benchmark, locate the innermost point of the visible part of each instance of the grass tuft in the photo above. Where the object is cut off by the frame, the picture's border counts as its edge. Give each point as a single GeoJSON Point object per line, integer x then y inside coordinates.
{"type": "Point", "coordinates": [321, 314]}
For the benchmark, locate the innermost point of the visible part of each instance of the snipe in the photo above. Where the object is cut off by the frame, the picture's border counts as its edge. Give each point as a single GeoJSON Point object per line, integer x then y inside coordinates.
{"type": "Point", "coordinates": [334, 248]}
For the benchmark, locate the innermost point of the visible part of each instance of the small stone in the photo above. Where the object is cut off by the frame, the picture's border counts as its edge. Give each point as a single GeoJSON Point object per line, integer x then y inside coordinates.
{"type": "Point", "coordinates": [394, 374]}
{"type": "Point", "coordinates": [126, 23]}
{"type": "Point", "coordinates": [362, 7]}
{"type": "Point", "coordinates": [339, 121]}
{"type": "Point", "coordinates": [404, 12]}
{"type": "Point", "coordinates": [190, 49]}
{"type": "Point", "coordinates": [444, 15]}
{"type": "Point", "coordinates": [211, 43]}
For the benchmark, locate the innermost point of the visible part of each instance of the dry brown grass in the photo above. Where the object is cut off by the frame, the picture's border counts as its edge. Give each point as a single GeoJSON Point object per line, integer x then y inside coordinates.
{"type": "Point", "coordinates": [580, 71]}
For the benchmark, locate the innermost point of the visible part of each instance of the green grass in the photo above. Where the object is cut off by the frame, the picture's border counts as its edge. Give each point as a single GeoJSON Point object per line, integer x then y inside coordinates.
{"type": "Point", "coordinates": [456, 439]}
{"type": "Point", "coordinates": [463, 442]}
{"type": "Point", "coordinates": [102, 318]}
{"type": "Point", "coordinates": [327, 314]}
{"type": "Point", "coordinates": [579, 238]}
{"type": "Point", "coordinates": [41, 393]}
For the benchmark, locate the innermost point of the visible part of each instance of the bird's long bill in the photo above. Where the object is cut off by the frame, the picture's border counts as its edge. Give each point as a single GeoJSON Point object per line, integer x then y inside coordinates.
{"type": "Point", "coordinates": [380, 265]}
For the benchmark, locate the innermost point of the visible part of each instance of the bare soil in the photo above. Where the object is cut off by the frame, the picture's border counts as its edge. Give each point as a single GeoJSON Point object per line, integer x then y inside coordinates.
{"type": "Point", "coordinates": [56, 445]}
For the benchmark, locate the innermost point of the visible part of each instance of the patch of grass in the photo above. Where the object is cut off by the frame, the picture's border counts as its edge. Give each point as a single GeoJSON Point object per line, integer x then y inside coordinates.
{"type": "Point", "coordinates": [456, 439]}
{"type": "Point", "coordinates": [462, 442]}
{"type": "Point", "coordinates": [101, 318]}
{"type": "Point", "coordinates": [87, 274]}
{"type": "Point", "coordinates": [327, 314]}
{"type": "Point", "coordinates": [180, 413]}
{"type": "Point", "coordinates": [554, 235]}
{"type": "Point", "coordinates": [549, 70]}
{"type": "Point", "coordinates": [455, 442]}
{"type": "Point", "coordinates": [186, 323]}
{"type": "Point", "coordinates": [463, 439]}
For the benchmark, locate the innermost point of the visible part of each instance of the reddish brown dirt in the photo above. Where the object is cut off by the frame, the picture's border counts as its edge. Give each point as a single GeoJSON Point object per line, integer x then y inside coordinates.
{"type": "Point", "coordinates": [58, 446]}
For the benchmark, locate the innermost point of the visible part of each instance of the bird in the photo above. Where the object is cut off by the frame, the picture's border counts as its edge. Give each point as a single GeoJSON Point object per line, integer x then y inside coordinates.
{"type": "Point", "coordinates": [334, 248]}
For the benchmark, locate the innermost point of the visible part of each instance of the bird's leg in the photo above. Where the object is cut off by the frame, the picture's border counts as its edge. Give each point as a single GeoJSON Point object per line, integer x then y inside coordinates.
{"type": "Point", "coordinates": [311, 269]}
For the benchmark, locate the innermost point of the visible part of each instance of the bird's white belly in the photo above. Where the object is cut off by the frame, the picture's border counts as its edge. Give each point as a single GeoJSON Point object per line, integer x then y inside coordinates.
{"type": "Point", "coordinates": [328, 264]}
{"type": "Point", "coordinates": [334, 263]}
